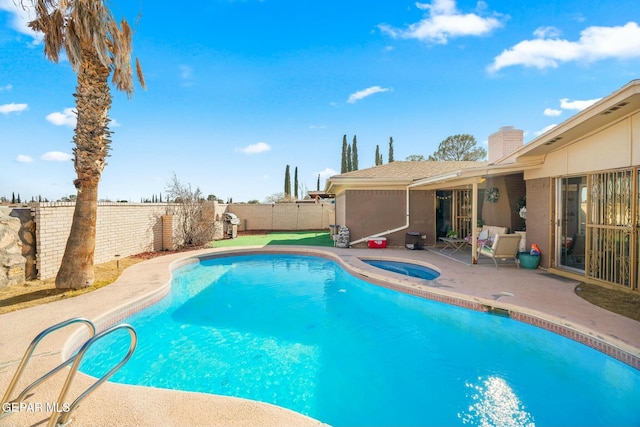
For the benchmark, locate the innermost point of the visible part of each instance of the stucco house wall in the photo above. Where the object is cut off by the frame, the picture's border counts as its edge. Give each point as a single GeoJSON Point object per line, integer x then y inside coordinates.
{"type": "Point", "coordinates": [614, 146]}
{"type": "Point", "coordinates": [377, 211]}
{"type": "Point", "coordinates": [503, 213]}
{"type": "Point", "coordinates": [539, 197]}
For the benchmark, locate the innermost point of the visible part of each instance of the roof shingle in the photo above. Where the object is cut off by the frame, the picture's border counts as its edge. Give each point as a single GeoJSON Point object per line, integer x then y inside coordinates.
{"type": "Point", "coordinates": [410, 170]}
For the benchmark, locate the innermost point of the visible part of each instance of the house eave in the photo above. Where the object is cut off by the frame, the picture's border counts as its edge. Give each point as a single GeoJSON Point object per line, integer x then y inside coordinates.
{"type": "Point", "coordinates": [610, 109]}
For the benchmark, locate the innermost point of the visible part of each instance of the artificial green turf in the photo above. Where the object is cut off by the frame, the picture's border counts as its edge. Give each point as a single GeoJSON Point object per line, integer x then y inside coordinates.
{"type": "Point", "coordinates": [308, 238]}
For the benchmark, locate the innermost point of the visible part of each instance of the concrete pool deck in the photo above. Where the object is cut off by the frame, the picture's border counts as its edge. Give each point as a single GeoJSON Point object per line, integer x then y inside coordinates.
{"type": "Point", "coordinates": [533, 296]}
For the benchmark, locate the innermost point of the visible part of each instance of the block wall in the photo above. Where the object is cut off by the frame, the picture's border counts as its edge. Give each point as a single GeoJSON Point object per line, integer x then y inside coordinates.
{"type": "Point", "coordinates": [127, 229]}
{"type": "Point", "coordinates": [123, 229]}
{"type": "Point", "coordinates": [284, 216]}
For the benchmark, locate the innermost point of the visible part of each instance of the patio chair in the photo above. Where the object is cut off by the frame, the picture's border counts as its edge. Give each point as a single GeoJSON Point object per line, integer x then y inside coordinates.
{"type": "Point", "coordinates": [504, 246]}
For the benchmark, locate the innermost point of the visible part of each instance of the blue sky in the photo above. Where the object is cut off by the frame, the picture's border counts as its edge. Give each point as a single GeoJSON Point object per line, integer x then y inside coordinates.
{"type": "Point", "coordinates": [237, 90]}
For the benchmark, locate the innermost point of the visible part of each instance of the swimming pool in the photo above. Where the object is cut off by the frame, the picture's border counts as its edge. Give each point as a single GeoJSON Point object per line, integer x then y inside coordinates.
{"type": "Point", "coordinates": [406, 268]}
{"type": "Point", "coordinates": [302, 333]}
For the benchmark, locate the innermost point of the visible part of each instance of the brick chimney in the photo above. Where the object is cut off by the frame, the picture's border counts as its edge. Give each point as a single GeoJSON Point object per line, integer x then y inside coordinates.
{"type": "Point", "coordinates": [504, 142]}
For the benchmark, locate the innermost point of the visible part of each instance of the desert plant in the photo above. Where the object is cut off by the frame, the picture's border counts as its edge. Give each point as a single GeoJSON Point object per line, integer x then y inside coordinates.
{"type": "Point", "coordinates": [193, 217]}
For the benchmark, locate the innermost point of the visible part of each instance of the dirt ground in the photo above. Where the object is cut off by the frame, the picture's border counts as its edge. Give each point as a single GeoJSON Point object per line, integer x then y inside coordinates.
{"type": "Point", "coordinates": [623, 302]}
{"type": "Point", "coordinates": [37, 292]}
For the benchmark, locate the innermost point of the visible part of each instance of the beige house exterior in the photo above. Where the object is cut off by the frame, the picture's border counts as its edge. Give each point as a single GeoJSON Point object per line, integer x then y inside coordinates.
{"type": "Point", "coordinates": [581, 180]}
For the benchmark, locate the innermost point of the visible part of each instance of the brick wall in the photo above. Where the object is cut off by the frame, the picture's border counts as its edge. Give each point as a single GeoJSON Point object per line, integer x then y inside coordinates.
{"type": "Point", "coordinates": [122, 229]}
{"type": "Point", "coordinates": [127, 229]}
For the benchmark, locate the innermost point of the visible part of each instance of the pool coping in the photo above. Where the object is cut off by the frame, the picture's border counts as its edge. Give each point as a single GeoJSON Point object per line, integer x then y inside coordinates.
{"type": "Point", "coordinates": [148, 282]}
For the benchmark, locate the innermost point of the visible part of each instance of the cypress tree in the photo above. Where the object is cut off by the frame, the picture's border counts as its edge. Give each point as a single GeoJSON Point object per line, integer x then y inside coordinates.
{"type": "Point", "coordinates": [354, 154]}
{"type": "Point", "coordinates": [295, 182]}
{"type": "Point", "coordinates": [13, 197]}
{"type": "Point", "coordinates": [343, 166]}
{"type": "Point", "coordinates": [287, 183]}
{"type": "Point", "coordinates": [390, 149]}
{"type": "Point", "coordinates": [349, 160]}
{"type": "Point", "coordinates": [378, 157]}
{"type": "Point", "coordinates": [318, 184]}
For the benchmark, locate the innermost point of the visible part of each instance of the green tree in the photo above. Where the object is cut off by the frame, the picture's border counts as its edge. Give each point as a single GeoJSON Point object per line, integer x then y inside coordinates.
{"type": "Point", "coordinates": [354, 154]}
{"type": "Point", "coordinates": [349, 159]}
{"type": "Point", "coordinates": [318, 183]}
{"type": "Point", "coordinates": [343, 165]}
{"type": "Point", "coordinates": [391, 149]}
{"type": "Point", "coordinates": [287, 183]}
{"type": "Point", "coordinates": [378, 156]}
{"type": "Point", "coordinates": [459, 147]}
{"type": "Point", "coordinates": [95, 46]}
{"type": "Point", "coordinates": [415, 158]}
{"type": "Point", "coordinates": [295, 183]}
{"type": "Point", "coordinates": [13, 197]}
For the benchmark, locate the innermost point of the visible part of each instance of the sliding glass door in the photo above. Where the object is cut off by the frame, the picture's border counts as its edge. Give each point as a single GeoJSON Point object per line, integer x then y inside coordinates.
{"type": "Point", "coordinates": [572, 222]}
{"type": "Point", "coordinates": [598, 226]}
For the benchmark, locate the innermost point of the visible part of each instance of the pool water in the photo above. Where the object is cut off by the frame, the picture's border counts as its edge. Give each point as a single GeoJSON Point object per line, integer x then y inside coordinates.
{"type": "Point", "coordinates": [406, 268]}
{"type": "Point", "coordinates": [300, 332]}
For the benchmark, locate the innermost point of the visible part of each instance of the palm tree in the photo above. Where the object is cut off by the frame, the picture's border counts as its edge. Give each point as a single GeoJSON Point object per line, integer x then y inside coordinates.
{"type": "Point", "coordinates": [96, 47]}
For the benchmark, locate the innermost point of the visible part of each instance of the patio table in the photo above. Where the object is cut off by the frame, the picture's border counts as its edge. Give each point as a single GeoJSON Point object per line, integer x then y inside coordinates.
{"type": "Point", "coordinates": [454, 243]}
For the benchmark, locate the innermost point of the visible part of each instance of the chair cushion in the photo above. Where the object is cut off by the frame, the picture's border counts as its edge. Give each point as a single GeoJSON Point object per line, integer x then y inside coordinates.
{"type": "Point", "coordinates": [494, 229]}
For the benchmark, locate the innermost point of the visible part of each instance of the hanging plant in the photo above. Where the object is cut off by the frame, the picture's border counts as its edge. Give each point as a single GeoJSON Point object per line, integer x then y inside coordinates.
{"type": "Point", "coordinates": [521, 207]}
{"type": "Point", "coordinates": [521, 210]}
{"type": "Point", "coordinates": [493, 194]}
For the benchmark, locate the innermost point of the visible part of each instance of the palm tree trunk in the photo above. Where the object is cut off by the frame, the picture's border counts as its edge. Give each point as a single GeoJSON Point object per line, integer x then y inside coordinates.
{"type": "Point", "coordinates": [76, 270]}
{"type": "Point", "coordinates": [93, 100]}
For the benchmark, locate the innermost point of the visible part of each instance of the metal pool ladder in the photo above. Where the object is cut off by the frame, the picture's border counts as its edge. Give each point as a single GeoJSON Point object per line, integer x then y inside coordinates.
{"type": "Point", "coordinates": [61, 412]}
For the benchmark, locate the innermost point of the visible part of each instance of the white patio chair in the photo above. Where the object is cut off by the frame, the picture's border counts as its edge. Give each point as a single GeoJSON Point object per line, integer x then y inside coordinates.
{"type": "Point", "coordinates": [504, 246]}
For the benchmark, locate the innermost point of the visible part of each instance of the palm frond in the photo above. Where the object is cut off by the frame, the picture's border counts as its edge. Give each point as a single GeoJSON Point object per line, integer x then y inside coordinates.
{"type": "Point", "coordinates": [77, 25]}
{"type": "Point", "coordinates": [140, 75]}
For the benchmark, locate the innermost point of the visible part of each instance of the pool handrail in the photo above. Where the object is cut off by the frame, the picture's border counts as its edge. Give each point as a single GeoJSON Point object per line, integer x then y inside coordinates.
{"type": "Point", "coordinates": [64, 419]}
{"type": "Point", "coordinates": [27, 356]}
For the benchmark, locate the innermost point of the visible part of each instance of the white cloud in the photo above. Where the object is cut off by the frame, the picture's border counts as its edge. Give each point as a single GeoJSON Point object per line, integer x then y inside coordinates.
{"type": "Point", "coordinates": [13, 108]}
{"type": "Point", "coordinates": [186, 75]}
{"type": "Point", "coordinates": [66, 118]}
{"type": "Point", "coordinates": [595, 43]}
{"type": "Point", "coordinates": [545, 129]}
{"type": "Point", "coordinates": [444, 21]}
{"type": "Point", "coordinates": [544, 32]}
{"type": "Point", "coordinates": [327, 173]}
{"type": "Point", "coordinates": [552, 112]}
{"type": "Point", "coordinates": [354, 97]}
{"type": "Point", "coordinates": [20, 18]}
{"type": "Point", "coordinates": [56, 156]}
{"type": "Point", "coordinates": [7, 87]}
{"type": "Point", "coordinates": [577, 105]}
{"type": "Point", "coordinates": [23, 158]}
{"type": "Point", "coordinates": [260, 147]}
{"type": "Point", "coordinates": [185, 72]}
